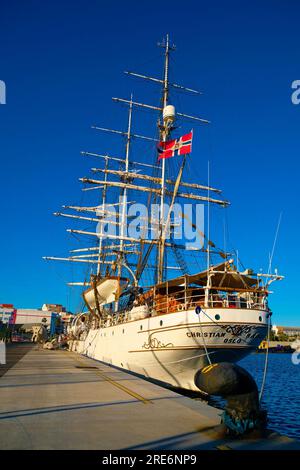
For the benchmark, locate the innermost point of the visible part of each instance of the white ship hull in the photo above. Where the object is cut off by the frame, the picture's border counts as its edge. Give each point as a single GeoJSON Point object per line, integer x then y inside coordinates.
{"type": "Point", "coordinates": [171, 348]}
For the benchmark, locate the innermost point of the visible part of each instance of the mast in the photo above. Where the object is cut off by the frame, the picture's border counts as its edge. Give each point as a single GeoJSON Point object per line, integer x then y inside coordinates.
{"type": "Point", "coordinates": [208, 285]}
{"type": "Point", "coordinates": [101, 223]}
{"type": "Point", "coordinates": [124, 190]}
{"type": "Point", "coordinates": [157, 183]}
{"type": "Point", "coordinates": [164, 135]}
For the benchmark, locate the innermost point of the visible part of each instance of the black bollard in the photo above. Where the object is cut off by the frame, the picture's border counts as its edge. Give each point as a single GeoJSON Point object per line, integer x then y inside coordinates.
{"type": "Point", "coordinates": [242, 412]}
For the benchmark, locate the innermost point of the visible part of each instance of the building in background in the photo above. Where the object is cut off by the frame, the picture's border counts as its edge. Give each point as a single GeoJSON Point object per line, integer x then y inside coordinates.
{"type": "Point", "coordinates": [53, 316]}
{"type": "Point", "coordinates": [289, 331]}
{"type": "Point", "coordinates": [32, 316]}
{"type": "Point", "coordinates": [7, 321]}
{"type": "Point", "coordinates": [7, 314]}
{"type": "Point", "coordinates": [56, 308]}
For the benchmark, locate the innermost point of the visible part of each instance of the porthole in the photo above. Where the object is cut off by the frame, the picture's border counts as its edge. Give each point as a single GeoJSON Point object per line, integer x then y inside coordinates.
{"type": "Point", "coordinates": [161, 323]}
{"type": "Point", "coordinates": [123, 331]}
{"type": "Point", "coordinates": [217, 317]}
{"type": "Point", "coordinates": [141, 327]}
{"type": "Point", "coordinates": [260, 318]}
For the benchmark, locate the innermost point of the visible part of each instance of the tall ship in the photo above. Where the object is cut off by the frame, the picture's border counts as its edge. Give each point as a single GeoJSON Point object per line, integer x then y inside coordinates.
{"type": "Point", "coordinates": [161, 299]}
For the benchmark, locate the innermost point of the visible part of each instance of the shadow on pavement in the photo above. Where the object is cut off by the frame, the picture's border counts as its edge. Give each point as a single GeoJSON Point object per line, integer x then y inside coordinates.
{"type": "Point", "coordinates": [15, 352]}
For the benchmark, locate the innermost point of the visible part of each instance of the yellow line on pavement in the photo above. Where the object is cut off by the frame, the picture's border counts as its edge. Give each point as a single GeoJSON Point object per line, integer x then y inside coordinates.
{"type": "Point", "coordinates": [116, 384]}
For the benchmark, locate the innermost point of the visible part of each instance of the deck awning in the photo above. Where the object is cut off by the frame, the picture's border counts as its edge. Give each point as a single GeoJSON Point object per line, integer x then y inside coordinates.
{"type": "Point", "coordinates": [224, 277]}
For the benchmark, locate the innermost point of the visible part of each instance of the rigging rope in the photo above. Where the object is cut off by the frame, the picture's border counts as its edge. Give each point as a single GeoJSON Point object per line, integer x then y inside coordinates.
{"type": "Point", "coordinates": [266, 360]}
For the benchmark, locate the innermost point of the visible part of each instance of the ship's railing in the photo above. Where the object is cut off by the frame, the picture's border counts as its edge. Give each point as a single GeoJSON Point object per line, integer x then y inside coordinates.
{"type": "Point", "coordinates": [187, 301]}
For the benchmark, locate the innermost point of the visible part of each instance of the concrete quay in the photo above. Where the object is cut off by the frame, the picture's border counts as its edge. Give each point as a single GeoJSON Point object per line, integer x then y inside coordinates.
{"type": "Point", "coordinates": [60, 400]}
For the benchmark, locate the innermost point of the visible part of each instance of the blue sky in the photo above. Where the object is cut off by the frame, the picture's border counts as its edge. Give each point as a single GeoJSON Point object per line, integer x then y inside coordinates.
{"type": "Point", "coordinates": [62, 62]}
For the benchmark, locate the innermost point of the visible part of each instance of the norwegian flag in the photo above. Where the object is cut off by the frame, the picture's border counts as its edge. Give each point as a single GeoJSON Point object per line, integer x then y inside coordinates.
{"type": "Point", "coordinates": [182, 146]}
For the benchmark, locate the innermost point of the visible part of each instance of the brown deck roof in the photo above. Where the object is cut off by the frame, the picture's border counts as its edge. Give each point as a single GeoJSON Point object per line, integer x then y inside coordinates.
{"type": "Point", "coordinates": [223, 278]}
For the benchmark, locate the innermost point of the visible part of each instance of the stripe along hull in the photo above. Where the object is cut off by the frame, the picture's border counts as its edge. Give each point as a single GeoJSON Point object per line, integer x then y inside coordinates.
{"type": "Point", "coordinates": [172, 347]}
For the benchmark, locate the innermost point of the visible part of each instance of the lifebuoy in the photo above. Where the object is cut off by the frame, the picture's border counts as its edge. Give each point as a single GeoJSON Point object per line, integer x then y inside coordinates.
{"type": "Point", "coordinates": [172, 305]}
{"type": "Point", "coordinates": [180, 308]}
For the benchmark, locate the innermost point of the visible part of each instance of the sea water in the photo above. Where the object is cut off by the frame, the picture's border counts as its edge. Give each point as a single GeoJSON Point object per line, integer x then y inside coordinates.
{"type": "Point", "coordinates": [281, 396]}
